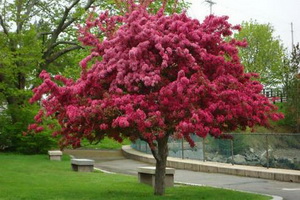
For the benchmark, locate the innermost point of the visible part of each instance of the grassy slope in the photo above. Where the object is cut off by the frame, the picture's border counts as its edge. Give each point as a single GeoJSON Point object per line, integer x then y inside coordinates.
{"type": "Point", "coordinates": [35, 177]}
{"type": "Point", "coordinates": [106, 143]}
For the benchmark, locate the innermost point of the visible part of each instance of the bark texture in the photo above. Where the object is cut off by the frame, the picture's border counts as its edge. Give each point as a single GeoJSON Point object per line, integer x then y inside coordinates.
{"type": "Point", "coordinates": [161, 163]}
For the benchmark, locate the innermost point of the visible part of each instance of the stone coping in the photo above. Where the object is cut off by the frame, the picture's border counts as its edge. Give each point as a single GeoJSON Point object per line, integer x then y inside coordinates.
{"type": "Point", "coordinates": [214, 167]}
{"type": "Point", "coordinates": [55, 153]}
{"type": "Point", "coordinates": [94, 154]}
{"type": "Point", "coordinates": [82, 162]}
{"type": "Point", "coordinates": [151, 170]}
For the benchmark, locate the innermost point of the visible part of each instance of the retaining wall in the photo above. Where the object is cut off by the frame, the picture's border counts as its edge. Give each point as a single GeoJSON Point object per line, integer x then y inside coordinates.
{"type": "Point", "coordinates": [213, 167]}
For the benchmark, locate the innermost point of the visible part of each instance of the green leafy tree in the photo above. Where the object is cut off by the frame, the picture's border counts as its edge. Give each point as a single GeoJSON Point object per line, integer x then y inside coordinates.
{"type": "Point", "coordinates": [293, 88]}
{"type": "Point", "coordinates": [33, 37]}
{"type": "Point", "coordinates": [264, 53]}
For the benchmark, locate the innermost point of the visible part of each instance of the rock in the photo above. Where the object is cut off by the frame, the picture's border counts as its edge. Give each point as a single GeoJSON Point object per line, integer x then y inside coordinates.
{"type": "Point", "coordinates": [264, 162]}
{"type": "Point", "coordinates": [262, 155]}
{"type": "Point", "coordinates": [275, 157]}
{"type": "Point", "coordinates": [239, 159]}
{"type": "Point", "coordinates": [251, 150]}
{"type": "Point", "coordinates": [219, 158]}
{"type": "Point", "coordinates": [291, 161]}
{"type": "Point", "coordinates": [251, 157]}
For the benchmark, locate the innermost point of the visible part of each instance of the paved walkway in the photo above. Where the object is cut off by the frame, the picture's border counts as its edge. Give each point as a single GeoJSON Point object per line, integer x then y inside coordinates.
{"type": "Point", "coordinates": [289, 191]}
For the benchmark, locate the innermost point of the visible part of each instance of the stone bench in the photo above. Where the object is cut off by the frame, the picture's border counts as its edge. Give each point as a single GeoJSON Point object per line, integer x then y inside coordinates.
{"type": "Point", "coordinates": [82, 165]}
{"type": "Point", "coordinates": [55, 155]}
{"type": "Point", "coordinates": [147, 175]}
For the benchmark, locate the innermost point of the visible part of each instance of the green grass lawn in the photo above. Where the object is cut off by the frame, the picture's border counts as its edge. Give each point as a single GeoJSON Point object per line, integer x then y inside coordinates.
{"type": "Point", "coordinates": [106, 143]}
{"type": "Point", "coordinates": [35, 177]}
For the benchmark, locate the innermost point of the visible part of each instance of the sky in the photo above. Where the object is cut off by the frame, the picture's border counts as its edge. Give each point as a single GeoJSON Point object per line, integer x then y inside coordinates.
{"type": "Point", "coordinates": [279, 13]}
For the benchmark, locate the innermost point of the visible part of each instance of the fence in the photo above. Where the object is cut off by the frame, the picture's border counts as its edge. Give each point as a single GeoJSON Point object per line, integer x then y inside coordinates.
{"type": "Point", "coordinates": [256, 149]}
{"type": "Point", "coordinates": [275, 95]}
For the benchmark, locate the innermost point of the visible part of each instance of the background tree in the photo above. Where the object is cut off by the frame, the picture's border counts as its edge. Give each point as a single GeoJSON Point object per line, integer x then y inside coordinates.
{"type": "Point", "coordinates": [264, 53]}
{"type": "Point", "coordinates": [293, 89]}
{"type": "Point", "coordinates": [154, 76]}
{"type": "Point", "coordinates": [33, 37]}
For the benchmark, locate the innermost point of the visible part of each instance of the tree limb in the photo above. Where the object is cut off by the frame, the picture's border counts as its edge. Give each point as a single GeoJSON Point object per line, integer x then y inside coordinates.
{"type": "Point", "coordinates": [47, 10]}
{"type": "Point", "coordinates": [62, 52]}
{"type": "Point", "coordinates": [62, 42]}
{"type": "Point", "coordinates": [18, 15]}
{"type": "Point", "coordinates": [44, 33]}
{"type": "Point", "coordinates": [29, 6]}
{"type": "Point", "coordinates": [68, 23]}
{"type": "Point", "coordinates": [59, 29]}
{"type": "Point", "coordinates": [3, 26]}
{"type": "Point", "coordinates": [63, 24]}
{"type": "Point", "coordinates": [153, 151]}
{"type": "Point", "coordinates": [155, 154]}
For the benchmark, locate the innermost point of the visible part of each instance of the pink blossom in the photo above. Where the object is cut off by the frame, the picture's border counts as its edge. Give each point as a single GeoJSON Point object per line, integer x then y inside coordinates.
{"type": "Point", "coordinates": [184, 80]}
{"type": "Point", "coordinates": [121, 122]}
{"type": "Point", "coordinates": [153, 74]}
{"type": "Point", "coordinates": [39, 129]}
{"type": "Point", "coordinates": [103, 126]}
{"type": "Point", "coordinates": [38, 117]}
{"type": "Point", "coordinates": [32, 126]}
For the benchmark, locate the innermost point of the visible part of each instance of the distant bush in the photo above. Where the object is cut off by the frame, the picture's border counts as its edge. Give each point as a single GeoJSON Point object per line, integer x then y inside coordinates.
{"type": "Point", "coordinates": [12, 138]}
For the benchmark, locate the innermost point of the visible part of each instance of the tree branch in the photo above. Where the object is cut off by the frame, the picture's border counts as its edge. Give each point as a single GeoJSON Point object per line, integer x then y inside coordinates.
{"type": "Point", "coordinates": [63, 24]}
{"type": "Point", "coordinates": [153, 151]}
{"type": "Point", "coordinates": [68, 23]}
{"type": "Point", "coordinates": [59, 29]}
{"type": "Point", "coordinates": [3, 26]}
{"type": "Point", "coordinates": [44, 33]}
{"type": "Point", "coordinates": [62, 52]}
{"type": "Point", "coordinates": [21, 19]}
{"type": "Point", "coordinates": [47, 10]}
{"type": "Point", "coordinates": [63, 42]}
{"type": "Point", "coordinates": [155, 154]}
{"type": "Point", "coordinates": [29, 8]}
{"type": "Point", "coordinates": [18, 13]}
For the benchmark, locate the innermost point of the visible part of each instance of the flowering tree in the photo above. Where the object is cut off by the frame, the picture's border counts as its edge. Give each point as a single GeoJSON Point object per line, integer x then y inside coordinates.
{"type": "Point", "coordinates": [154, 76]}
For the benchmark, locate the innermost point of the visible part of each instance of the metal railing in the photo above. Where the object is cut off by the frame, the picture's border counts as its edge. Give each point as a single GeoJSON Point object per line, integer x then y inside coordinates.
{"type": "Point", "coordinates": [279, 94]}
{"type": "Point", "coordinates": [256, 149]}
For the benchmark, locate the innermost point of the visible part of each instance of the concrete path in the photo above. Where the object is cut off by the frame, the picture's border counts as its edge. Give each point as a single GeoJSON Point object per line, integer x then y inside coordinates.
{"type": "Point", "coordinates": [289, 191]}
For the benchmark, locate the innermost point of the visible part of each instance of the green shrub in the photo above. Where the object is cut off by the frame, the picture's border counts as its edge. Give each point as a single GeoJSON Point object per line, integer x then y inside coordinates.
{"type": "Point", "coordinates": [36, 143]}
{"type": "Point", "coordinates": [11, 134]}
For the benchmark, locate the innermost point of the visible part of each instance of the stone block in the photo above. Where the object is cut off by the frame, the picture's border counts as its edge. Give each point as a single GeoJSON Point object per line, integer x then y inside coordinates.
{"type": "Point", "coordinates": [55, 155]}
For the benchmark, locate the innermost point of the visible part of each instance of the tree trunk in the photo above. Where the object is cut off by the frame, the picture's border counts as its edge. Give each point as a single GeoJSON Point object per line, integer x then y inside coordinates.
{"type": "Point", "coordinates": [161, 162]}
{"type": "Point", "coordinates": [12, 105]}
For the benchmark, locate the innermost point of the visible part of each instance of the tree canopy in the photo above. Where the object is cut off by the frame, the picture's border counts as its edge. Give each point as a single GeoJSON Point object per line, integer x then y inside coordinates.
{"type": "Point", "coordinates": [264, 53]}
{"type": "Point", "coordinates": [293, 88]}
{"type": "Point", "coordinates": [156, 63]}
